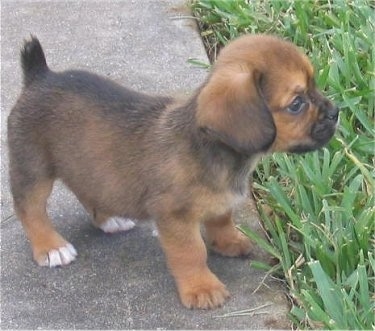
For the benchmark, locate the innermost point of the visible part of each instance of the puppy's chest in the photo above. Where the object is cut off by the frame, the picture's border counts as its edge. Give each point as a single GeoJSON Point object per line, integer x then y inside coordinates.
{"type": "Point", "coordinates": [229, 188]}
{"type": "Point", "coordinates": [215, 201]}
{"type": "Point", "coordinates": [218, 204]}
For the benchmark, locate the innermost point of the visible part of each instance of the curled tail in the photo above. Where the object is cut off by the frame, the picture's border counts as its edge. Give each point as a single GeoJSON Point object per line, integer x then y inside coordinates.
{"type": "Point", "coordinates": [33, 60]}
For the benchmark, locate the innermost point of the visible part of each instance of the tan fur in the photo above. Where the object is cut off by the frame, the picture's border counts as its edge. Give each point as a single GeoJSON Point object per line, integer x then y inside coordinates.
{"type": "Point", "coordinates": [181, 163]}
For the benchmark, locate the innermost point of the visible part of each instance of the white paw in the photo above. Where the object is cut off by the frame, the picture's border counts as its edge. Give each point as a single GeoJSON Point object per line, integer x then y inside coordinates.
{"type": "Point", "coordinates": [61, 256]}
{"type": "Point", "coordinates": [117, 224]}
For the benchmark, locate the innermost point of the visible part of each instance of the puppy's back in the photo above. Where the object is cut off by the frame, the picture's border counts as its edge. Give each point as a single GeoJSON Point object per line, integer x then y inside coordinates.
{"type": "Point", "coordinates": [75, 92]}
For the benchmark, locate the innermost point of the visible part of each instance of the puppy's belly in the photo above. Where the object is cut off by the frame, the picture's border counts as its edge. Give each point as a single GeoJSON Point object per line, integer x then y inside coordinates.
{"type": "Point", "coordinates": [121, 185]}
{"type": "Point", "coordinates": [109, 197]}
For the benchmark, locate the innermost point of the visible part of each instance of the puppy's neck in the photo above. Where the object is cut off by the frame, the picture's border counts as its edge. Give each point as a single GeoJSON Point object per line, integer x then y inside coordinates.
{"type": "Point", "coordinates": [221, 165]}
{"type": "Point", "coordinates": [227, 167]}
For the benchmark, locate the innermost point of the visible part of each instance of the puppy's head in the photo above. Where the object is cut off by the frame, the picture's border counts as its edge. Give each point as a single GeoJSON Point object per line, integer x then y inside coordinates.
{"type": "Point", "coordinates": [261, 97]}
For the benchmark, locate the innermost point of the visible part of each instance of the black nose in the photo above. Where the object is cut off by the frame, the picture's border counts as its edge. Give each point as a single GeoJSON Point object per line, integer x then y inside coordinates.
{"type": "Point", "coordinates": [328, 110]}
{"type": "Point", "coordinates": [333, 113]}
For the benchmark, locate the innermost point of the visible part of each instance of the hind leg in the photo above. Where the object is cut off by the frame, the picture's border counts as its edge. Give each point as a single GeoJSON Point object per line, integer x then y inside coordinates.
{"type": "Point", "coordinates": [49, 248]}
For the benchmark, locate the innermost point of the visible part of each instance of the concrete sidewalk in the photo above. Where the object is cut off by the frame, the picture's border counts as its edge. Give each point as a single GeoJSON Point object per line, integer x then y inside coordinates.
{"type": "Point", "coordinates": [119, 281]}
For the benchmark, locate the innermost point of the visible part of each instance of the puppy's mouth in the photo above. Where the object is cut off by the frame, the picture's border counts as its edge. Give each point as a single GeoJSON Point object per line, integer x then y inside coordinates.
{"type": "Point", "coordinates": [321, 132]}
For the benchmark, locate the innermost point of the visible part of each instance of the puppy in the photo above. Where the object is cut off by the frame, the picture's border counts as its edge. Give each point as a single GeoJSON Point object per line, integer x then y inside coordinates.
{"type": "Point", "coordinates": [128, 154]}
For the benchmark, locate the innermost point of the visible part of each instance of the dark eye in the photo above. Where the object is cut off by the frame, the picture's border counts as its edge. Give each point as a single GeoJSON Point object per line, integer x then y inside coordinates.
{"type": "Point", "coordinates": [297, 105]}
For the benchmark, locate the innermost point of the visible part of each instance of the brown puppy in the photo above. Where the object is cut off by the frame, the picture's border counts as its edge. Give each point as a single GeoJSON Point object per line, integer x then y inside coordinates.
{"type": "Point", "coordinates": [128, 154]}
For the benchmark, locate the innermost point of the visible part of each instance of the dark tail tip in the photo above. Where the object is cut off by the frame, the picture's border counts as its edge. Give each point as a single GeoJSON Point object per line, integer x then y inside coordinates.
{"type": "Point", "coordinates": [33, 60]}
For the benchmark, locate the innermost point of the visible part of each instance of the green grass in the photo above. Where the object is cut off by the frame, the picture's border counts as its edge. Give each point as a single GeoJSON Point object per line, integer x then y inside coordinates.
{"type": "Point", "coordinates": [322, 224]}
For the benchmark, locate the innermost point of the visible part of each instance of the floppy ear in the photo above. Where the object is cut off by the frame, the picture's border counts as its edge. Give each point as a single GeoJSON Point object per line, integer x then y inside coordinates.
{"type": "Point", "coordinates": [231, 109]}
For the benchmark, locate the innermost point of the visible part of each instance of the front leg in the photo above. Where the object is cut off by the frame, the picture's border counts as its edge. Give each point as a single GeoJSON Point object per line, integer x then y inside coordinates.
{"type": "Point", "coordinates": [225, 238]}
{"type": "Point", "coordinates": [186, 256]}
